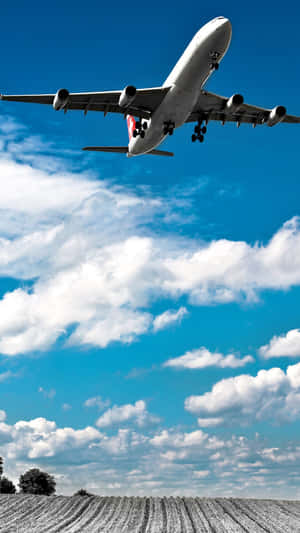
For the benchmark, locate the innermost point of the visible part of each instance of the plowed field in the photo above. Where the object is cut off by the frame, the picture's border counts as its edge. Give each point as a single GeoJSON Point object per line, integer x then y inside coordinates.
{"type": "Point", "coordinates": [38, 514]}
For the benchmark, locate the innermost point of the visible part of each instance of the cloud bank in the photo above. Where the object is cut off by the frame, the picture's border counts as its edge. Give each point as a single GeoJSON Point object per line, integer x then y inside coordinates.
{"type": "Point", "coordinates": [93, 258]}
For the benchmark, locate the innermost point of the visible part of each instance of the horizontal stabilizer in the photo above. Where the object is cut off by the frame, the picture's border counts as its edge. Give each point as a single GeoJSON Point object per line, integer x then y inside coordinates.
{"type": "Point", "coordinates": [113, 149]}
{"type": "Point", "coordinates": [123, 150]}
{"type": "Point", "coordinates": [161, 152]}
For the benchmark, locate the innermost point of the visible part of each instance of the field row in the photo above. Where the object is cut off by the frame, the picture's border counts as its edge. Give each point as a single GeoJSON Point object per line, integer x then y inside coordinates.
{"type": "Point", "coordinates": [54, 514]}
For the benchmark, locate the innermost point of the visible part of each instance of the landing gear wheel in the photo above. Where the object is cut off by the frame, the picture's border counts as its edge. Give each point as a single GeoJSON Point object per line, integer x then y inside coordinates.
{"type": "Point", "coordinates": [135, 133]}
{"type": "Point", "coordinates": [203, 130]}
{"type": "Point", "coordinates": [169, 127]}
{"type": "Point", "coordinates": [145, 125]}
{"type": "Point", "coordinates": [197, 129]}
{"type": "Point", "coordinates": [216, 66]}
{"type": "Point", "coordinates": [201, 138]}
{"type": "Point", "coordinates": [194, 138]}
{"type": "Point", "coordinates": [142, 134]}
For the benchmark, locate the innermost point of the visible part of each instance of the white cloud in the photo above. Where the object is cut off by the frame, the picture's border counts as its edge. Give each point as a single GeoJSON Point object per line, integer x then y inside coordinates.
{"type": "Point", "coordinates": [209, 422]}
{"type": "Point", "coordinates": [41, 438]}
{"type": "Point", "coordinates": [167, 462]}
{"type": "Point", "coordinates": [47, 393]}
{"type": "Point", "coordinates": [287, 345]}
{"type": "Point", "coordinates": [169, 317]}
{"type": "Point", "coordinates": [66, 406]}
{"type": "Point", "coordinates": [270, 395]}
{"type": "Point", "coordinates": [225, 271]}
{"type": "Point", "coordinates": [203, 358]}
{"type": "Point", "coordinates": [7, 375]}
{"type": "Point", "coordinates": [130, 412]}
{"type": "Point", "coordinates": [179, 440]}
{"type": "Point", "coordinates": [200, 474]}
{"type": "Point", "coordinates": [97, 401]}
{"type": "Point", "coordinates": [99, 263]}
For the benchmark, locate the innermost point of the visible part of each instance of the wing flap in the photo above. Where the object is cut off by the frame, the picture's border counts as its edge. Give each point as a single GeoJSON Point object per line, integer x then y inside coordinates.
{"type": "Point", "coordinates": [144, 104]}
{"type": "Point", "coordinates": [211, 106]}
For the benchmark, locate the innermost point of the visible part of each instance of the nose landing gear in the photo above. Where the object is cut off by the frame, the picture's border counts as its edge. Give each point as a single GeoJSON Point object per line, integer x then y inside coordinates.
{"type": "Point", "coordinates": [214, 56]}
{"type": "Point", "coordinates": [199, 132]}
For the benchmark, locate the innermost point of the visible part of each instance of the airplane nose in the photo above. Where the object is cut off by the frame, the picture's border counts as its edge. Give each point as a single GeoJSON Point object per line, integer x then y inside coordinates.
{"type": "Point", "coordinates": [223, 22]}
{"type": "Point", "coordinates": [224, 26]}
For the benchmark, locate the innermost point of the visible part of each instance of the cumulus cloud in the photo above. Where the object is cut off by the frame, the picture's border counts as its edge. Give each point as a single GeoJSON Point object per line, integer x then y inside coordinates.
{"type": "Point", "coordinates": [203, 358]}
{"type": "Point", "coordinates": [179, 440]}
{"type": "Point", "coordinates": [157, 462]}
{"type": "Point", "coordinates": [41, 438]}
{"type": "Point", "coordinates": [136, 412]}
{"type": "Point", "coordinates": [287, 345]}
{"type": "Point", "coordinates": [93, 263]}
{"type": "Point", "coordinates": [97, 401]}
{"type": "Point", "coordinates": [270, 395]}
{"type": "Point", "coordinates": [169, 317]}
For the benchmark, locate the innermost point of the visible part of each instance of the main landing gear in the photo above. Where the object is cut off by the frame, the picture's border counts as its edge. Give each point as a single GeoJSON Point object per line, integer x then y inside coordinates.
{"type": "Point", "coordinates": [140, 129]}
{"type": "Point", "coordinates": [199, 132]}
{"type": "Point", "coordinates": [169, 127]}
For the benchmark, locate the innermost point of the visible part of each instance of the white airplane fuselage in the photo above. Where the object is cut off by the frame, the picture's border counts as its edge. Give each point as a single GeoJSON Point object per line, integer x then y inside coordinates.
{"type": "Point", "coordinates": [187, 77]}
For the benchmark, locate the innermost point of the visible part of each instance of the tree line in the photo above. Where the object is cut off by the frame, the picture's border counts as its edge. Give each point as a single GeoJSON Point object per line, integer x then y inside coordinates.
{"type": "Point", "coordinates": [34, 481]}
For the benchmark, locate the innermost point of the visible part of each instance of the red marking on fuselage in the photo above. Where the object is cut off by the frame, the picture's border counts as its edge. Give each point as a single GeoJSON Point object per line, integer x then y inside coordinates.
{"type": "Point", "coordinates": [130, 125]}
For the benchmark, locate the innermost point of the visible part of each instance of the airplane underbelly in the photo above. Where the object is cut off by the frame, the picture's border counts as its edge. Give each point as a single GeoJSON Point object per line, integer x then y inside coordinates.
{"type": "Point", "coordinates": [175, 108]}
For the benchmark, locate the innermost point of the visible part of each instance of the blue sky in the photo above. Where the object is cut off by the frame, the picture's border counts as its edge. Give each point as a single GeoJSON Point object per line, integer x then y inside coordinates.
{"type": "Point", "coordinates": [149, 307]}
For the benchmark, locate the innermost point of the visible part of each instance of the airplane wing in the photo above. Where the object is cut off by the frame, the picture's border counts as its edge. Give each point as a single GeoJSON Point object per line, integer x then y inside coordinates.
{"type": "Point", "coordinates": [144, 104]}
{"type": "Point", "coordinates": [214, 107]}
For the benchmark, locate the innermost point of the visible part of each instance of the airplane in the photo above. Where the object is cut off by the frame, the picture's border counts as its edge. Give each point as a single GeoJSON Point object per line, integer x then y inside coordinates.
{"type": "Point", "coordinates": [181, 99]}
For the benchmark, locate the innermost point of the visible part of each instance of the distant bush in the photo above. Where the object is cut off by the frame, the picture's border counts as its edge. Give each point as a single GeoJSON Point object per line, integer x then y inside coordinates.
{"type": "Point", "coordinates": [7, 486]}
{"type": "Point", "coordinates": [82, 492]}
{"type": "Point", "coordinates": [1, 466]}
{"type": "Point", "coordinates": [35, 481]}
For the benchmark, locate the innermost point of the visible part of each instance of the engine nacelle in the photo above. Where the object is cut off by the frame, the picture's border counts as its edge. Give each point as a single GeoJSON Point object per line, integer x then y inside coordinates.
{"type": "Point", "coordinates": [127, 96]}
{"type": "Point", "coordinates": [60, 99]}
{"type": "Point", "coordinates": [234, 103]}
{"type": "Point", "coordinates": [276, 115]}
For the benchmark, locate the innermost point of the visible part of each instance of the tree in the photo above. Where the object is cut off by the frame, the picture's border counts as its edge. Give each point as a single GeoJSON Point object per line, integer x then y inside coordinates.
{"type": "Point", "coordinates": [82, 492]}
{"type": "Point", "coordinates": [1, 466]}
{"type": "Point", "coordinates": [35, 481]}
{"type": "Point", "coordinates": [7, 486]}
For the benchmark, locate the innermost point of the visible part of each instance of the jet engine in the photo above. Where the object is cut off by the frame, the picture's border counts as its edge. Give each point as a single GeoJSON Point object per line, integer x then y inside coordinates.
{"type": "Point", "coordinates": [234, 103]}
{"type": "Point", "coordinates": [127, 96]}
{"type": "Point", "coordinates": [60, 99]}
{"type": "Point", "coordinates": [276, 115]}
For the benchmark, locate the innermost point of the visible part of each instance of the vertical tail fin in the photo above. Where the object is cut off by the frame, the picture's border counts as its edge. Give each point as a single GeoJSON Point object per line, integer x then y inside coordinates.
{"type": "Point", "coordinates": [130, 125]}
